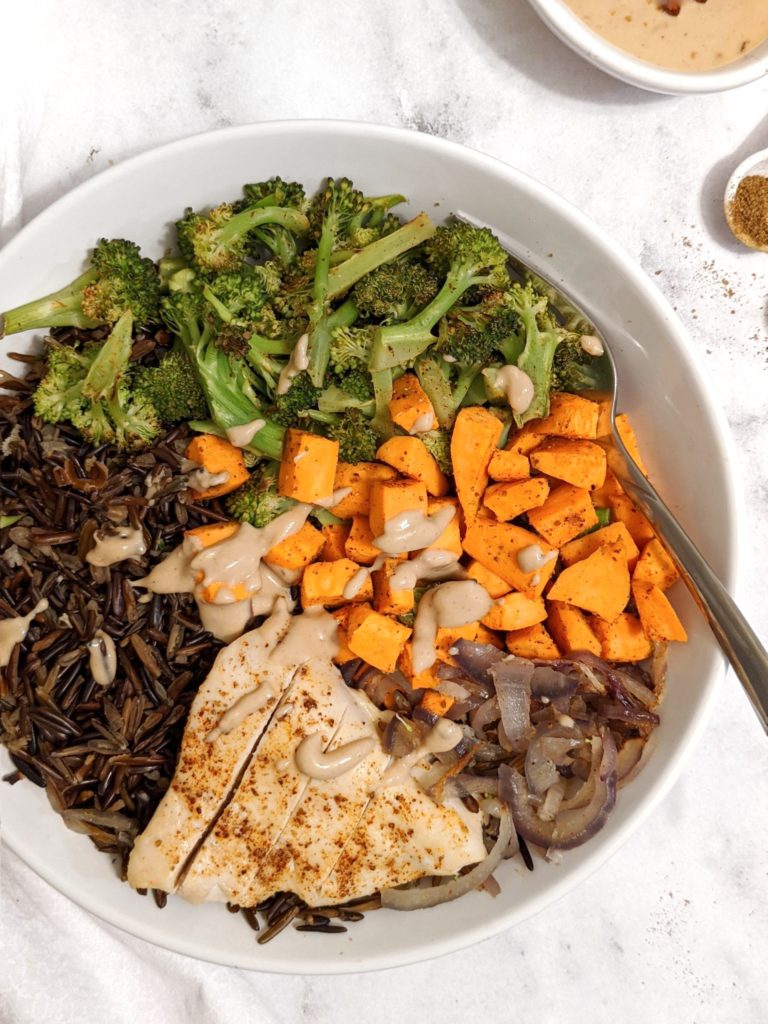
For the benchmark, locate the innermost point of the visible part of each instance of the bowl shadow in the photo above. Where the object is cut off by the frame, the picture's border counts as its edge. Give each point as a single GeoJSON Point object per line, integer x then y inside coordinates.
{"type": "Point", "coordinates": [515, 33]}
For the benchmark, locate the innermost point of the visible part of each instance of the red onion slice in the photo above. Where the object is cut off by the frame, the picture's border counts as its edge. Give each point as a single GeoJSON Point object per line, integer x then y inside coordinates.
{"type": "Point", "coordinates": [550, 683]}
{"type": "Point", "coordinates": [512, 678]}
{"type": "Point", "coordinates": [476, 659]}
{"type": "Point", "coordinates": [570, 828]}
{"type": "Point", "coordinates": [420, 899]}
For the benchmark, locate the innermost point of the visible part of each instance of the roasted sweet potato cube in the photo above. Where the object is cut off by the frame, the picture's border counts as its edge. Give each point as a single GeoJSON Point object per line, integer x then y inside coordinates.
{"type": "Point", "coordinates": [334, 538]}
{"type": "Point", "coordinates": [497, 546]}
{"type": "Point", "coordinates": [217, 455]}
{"type": "Point", "coordinates": [508, 465]}
{"type": "Point", "coordinates": [376, 638]}
{"type": "Point", "coordinates": [387, 599]}
{"type": "Point", "coordinates": [495, 585]}
{"type": "Point", "coordinates": [450, 538]}
{"type": "Point", "coordinates": [359, 477]}
{"type": "Point", "coordinates": [390, 498]}
{"type": "Point", "coordinates": [571, 630]}
{"type": "Point", "coordinates": [510, 499]}
{"type": "Point", "coordinates": [515, 611]}
{"type": "Point", "coordinates": [212, 533]}
{"type": "Point", "coordinates": [598, 583]}
{"type": "Point", "coordinates": [611, 488]}
{"type": "Point", "coordinates": [623, 639]}
{"type": "Point", "coordinates": [324, 583]}
{"type": "Point", "coordinates": [343, 654]}
{"type": "Point", "coordinates": [570, 416]}
{"type": "Point", "coordinates": [421, 680]}
{"type": "Point", "coordinates": [625, 510]}
{"type": "Point", "coordinates": [436, 703]}
{"type": "Point", "coordinates": [581, 463]}
{"type": "Point", "coordinates": [449, 636]}
{"type": "Point", "coordinates": [658, 617]}
{"type": "Point", "coordinates": [532, 642]}
{"type": "Point", "coordinates": [655, 566]}
{"type": "Point", "coordinates": [474, 439]}
{"type": "Point", "coordinates": [409, 456]}
{"type": "Point", "coordinates": [359, 544]}
{"type": "Point", "coordinates": [567, 512]}
{"type": "Point", "coordinates": [409, 407]}
{"type": "Point", "coordinates": [523, 441]}
{"type": "Point", "coordinates": [298, 550]}
{"type": "Point", "coordinates": [308, 466]}
{"type": "Point", "coordinates": [628, 436]}
{"type": "Point", "coordinates": [582, 547]}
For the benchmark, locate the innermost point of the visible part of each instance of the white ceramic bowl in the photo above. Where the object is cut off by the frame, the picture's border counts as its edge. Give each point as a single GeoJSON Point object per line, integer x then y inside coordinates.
{"type": "Point", "coordinates": [685, 440]}
{"type": "Point", "coordinates": [598, 51]}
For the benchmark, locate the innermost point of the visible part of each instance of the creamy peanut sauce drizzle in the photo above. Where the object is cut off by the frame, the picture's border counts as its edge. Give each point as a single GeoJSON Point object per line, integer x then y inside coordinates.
{"type": "Point", "coordinates": [312, 760]}
{"type": "Point", "coordinates": [412, 530]}
{"type": "Point", "coordinates": [517, 386]}
{"type": "Point", "coordinates": [298, 361]}
{"type": "Point", "coordinates": [703, 36]}
{"type": "Point", "coordinates": [102, 658]}
{"type": "Point", "coordinates": [592, 345]}
{"type": "Point", "coordinates": [432, 564]}
{"type": "Point", "coordinates": [242, 435]}
{"type": "Point", "coordinates": [532, 558]}
{"type": "Point", "coordinates": [423, 423]}
{"type": "Point", "coordinates": [14, 631]}
{"type": "Point", "coordinates": [443, 736]}
{"type": "Point", "coordinates": [111, 548]}
{"type": "Point", "coordinates": [446, 605]}
{"type": "Point", "coordinates": [201, 479]}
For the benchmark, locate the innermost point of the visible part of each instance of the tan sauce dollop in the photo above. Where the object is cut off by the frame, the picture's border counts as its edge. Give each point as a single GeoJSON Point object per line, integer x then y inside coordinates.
{"type": "Point", "coordinates": [703, 36]}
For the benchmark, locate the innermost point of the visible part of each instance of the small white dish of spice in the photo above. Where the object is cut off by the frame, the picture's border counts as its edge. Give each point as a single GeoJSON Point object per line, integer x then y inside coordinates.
{"type": "Point", "coordinates": [746, 201]}
{"type": "Point", "coordinates": [668, 46]}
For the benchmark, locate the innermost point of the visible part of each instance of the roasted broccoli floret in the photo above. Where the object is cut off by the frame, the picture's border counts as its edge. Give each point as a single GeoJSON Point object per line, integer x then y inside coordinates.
{"type": "Point", "coordinates": [279, 241]}
{"type": "Point", "coordinates": [573, 369]}
{"type": "Point", "coordinates": [257, 501]}
{"type": "Point", "coordinates": [438, 444]}
{"type": "Point", "coordinates": [466, 257]}
{"type": "Point", "coordinates": [300, 396]}
{"type": "Point", "coordinates": [93, 390]}
{"type": "Point", "coordinates": [396, 291]}
{"type": "Point", "coordinates": [172, 388]}
{"type": "Point", "coordinates": [218, 240]}
{"type": "Point", "coordinates": [227, 381]}
{"type": "Point", "coordinates": [541, 336]}
{"type": "Point", "coordinates": [358, 438]}
{"type": "Point", "coordinates": [118, 281]}
{"type": "Point", "coordinates": [354, 378]}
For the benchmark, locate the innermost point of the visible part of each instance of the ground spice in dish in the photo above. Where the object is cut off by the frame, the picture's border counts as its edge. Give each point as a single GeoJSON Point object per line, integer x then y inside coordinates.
{"type": "Point", "coordinates": [749, 209]}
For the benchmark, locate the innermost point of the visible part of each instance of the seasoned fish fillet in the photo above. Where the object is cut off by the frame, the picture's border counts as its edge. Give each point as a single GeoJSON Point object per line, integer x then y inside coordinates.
{"type": "Point", "coordinates": [207, 771]}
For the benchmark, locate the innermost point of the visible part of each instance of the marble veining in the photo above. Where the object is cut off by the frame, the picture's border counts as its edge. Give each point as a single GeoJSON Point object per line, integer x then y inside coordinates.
{"type": "Point", "coordinates": [86, 84]}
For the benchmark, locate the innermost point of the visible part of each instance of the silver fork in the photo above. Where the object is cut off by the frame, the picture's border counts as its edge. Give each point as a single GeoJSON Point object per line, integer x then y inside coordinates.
{"type": "Point", "coordinates": [733, 633]}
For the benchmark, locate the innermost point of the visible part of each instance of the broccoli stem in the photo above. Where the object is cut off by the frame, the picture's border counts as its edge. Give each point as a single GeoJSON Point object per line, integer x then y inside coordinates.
{"type": "Point", "coordinates": [59, 309]}
{"type": "Point", "coordinates": [536, 360]}
{"type": "Point", "coordinates": [111, 361]}
{"type": "Point", "coordinates": [438, 389]}
{"type": "Point", "coordinates": [382, 394]}
{"type": "Point", "coordinates": [320, 341]}
{"type": "Point", "coordinates": [383, 250]}
{"type": "Point", "coordinates": [241, 223]}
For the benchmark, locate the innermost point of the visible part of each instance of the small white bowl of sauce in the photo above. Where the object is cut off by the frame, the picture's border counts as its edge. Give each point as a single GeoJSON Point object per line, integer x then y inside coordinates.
{"type": "Point", "coordinates": [709, 46]}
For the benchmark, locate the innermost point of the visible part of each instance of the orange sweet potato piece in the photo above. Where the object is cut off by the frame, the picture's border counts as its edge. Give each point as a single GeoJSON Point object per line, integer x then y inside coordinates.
{"type": "Point", "coordinates": [308, 466]}
{"type": "Point", "coordinates": [213, 533]}
{"type": "Point", "coordinates": [298, 550]}
{"type": "Point", "coordinates": [410, 407]}
{"type": "Point", "coordinates": [655, 566]}
{"type": "Point", "coordinates": [570, 416]}
{"type": "Point", "coordinates": [386, 599]}
{"type": "Point", "coordinates": [376, 638]}
{"type": "Point", "coordinates": [334, 537]}
{"type": "Point", "coordinates": [611, 489]}
{"type": "Point", "coordinates": [625, 510]}
{"type": "Point", "coordinates": [344, 654]}
{"type": "Point", "coordinates": [423, 680]}
{"type": "Point", "coordinates": [598, 583]}
{"type": "Point", "coordinates": [324, 583]}
{"type": "Point", "coordinates": [628, 436]}
{"type": "Point", "coordinates": [359, 477]}
{"type": "Point", "coordinates": [510, 499]}
{"type": "Point", "coordinates": [391, 497]}
{"type": "Point", "coordinates": [565, 514]}
{"type": "Point", "coordinates": [658, 617]}
{"type": "Point", "coordinates": [436, 703]}
{"type": "Point", "coordinates": [582, 547]}
{"type": "Point", "coordinates": [495, 585]}
{"type": "Point", "coordinates": [523, 441]}
{"type": "Point", "coordinates": [450, 538]}
{"type": "Point", "coordinates": [449, 636]}
{"type": "Point", "coordinates": [571, 629]}
{"type": "Point", "coordinates": [623, 639]}
{"type": "Point", "coordinates": [217, 455]}
{"type": "Point", "coordinates": [581, 463]}
{"type": "Point", "coordinates": [532, 642]}
{"type": "Point", "coordinates": [497, 545]}
{"type": "Point", "coordinates": [475, 437]}
{"type": "Point", "coordinates": [359, 544]}
{"type": "Point", "coordinates": [515, 611]}
{"type": "Point", "coordinates": [409, 456]}
{"type": "Point", "coordinates": [508, 465]}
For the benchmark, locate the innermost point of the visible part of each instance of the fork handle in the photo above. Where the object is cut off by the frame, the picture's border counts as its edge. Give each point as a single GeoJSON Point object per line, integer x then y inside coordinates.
{"type": "Point", "coordinates": [736, 637]}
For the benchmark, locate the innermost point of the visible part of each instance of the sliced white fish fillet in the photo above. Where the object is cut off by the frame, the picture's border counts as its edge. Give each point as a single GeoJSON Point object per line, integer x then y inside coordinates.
{"type": "Point", "coordinates": [207, 771]}
{"type": "Point", "coordinates": [269, 792]}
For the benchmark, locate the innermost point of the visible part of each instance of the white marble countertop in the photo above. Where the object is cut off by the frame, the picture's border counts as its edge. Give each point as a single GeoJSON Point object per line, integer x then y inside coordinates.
{"type": "Point", "coordinates": [675, 927]}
